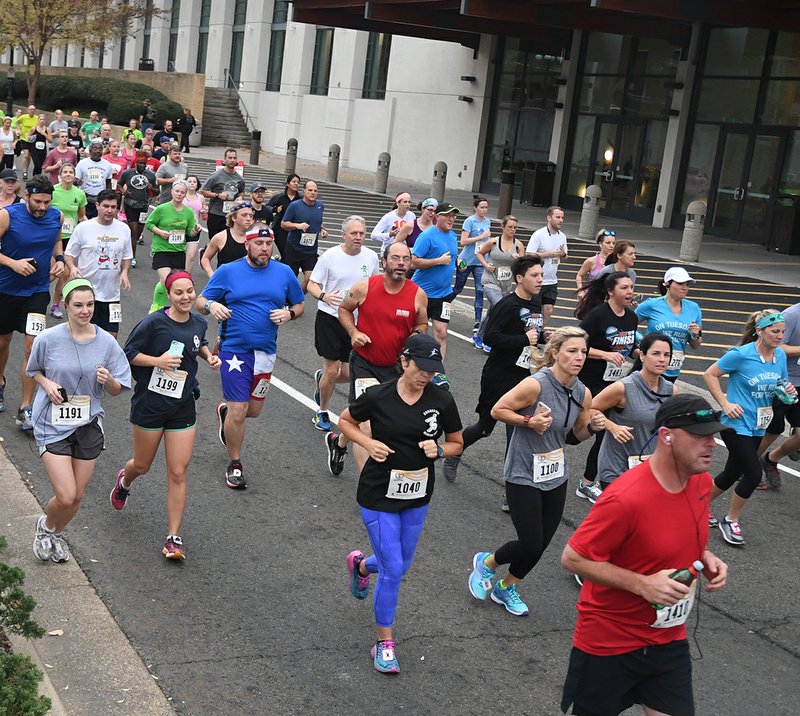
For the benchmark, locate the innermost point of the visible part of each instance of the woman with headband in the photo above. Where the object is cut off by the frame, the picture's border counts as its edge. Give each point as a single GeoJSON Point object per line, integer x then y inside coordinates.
{"type": "Point", "coordinates": [75, 364]}
{"type": "Point", "coordinates": [163, 350]}
{"type": "Point", "coordinates": [756, 370]}
{"type": "Point", "coordinates": [390, 226]}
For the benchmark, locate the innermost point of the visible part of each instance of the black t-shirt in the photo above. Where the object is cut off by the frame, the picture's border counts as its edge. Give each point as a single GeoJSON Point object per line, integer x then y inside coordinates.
{"type": "Point", "coordinates": [75, 142]}
{"type": "Point", "coordinates": [153, 336]}
{"type": "Point", "coordinates": [402, 427]}
{"type": "Point", "coordinates": [607, 332]}
{"type": "Point", "coordinates": [137, 184]}
{"type": "Point", "coordinates": [264, 214]}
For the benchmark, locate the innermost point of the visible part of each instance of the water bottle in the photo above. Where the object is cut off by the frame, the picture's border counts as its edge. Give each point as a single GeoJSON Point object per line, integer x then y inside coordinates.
{"type": "Point", "coordinates": [783, 395]}
{"type": "Point", "coordinates": [684, 576]}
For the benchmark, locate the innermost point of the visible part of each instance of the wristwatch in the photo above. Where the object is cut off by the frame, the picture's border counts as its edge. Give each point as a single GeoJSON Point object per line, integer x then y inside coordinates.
{"type": "Point", "coordinates": [322, 296]}
{"type": "Point", "coordinates": [439, 452]}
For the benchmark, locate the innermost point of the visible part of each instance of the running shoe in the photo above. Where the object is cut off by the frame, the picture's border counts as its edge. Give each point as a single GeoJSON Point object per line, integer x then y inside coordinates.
{"type": "Point", "coordinates": [24, 176]}
{"type": "Point", "coordinates": [712, 520]}
{"type": "Point", "coordinates": [450, 468]}
{"type": "Point", "coordinates": [317, 379]}
{"type": "Point", "coordinates": [509, 598]}
{"type": "Point", "coordinates": [359, 586]}
{"type": "Point", "coordinates": [140, 242]}
{"type": "Point", "coordinates": [119, 495]}
{"type": "Point", "coordinates": [772, 475]}
{"type": "Point", "coordinates": [336, 454]}
{"type": "Point", "coordinates": [477, 342]}
{"type": "Point", "coordinates": [321, 421]}
{"type": "Point", "coordinates": [222, 411]}
{"type": "Point", "coordinates": [173, 548]}
{"type": "Point", "coordinates": [731, 532]}
{"type": "Point", "coordinates": [487, 349]}
{"type": "Point", "coordinates": [3, 397]}
{"type": "Point", "coordinates": [476, 327]}
{"type": "Point", "coordinates": [60, 551]}
{"type": "Point", "coordinates": [234, 476]}
{"type": "Point", "coordinates": [133, 263]}
{"type": "Point", "coordinates": [43, 541]}
{"type": "Point", "coordinates": [55, 311]}
{"type": "Point", "coordinates": [440, 380]}
{"type": "Point", "coordinates": [25, 418]}
{"type": "Point", "coordinates": [383, 657]}
{"type": "Point", "coordinates": [480, 579]}
{"type": "Point", "coordinates": [588, 491]}
{"type": "Point", "coordinates": [504, 507]}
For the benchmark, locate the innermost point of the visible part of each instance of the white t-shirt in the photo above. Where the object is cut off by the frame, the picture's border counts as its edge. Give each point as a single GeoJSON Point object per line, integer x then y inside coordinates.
{"type": "Point", "coordinates": [94, 175]}
{"type": "Point", "coordinates": [542, 241]}
{"type": "Point", "coordinates": [99, 251]}
{"type": "Point", "coordinates": [382, 229]}
{"type": "Point", "coordinates": [337, 270]}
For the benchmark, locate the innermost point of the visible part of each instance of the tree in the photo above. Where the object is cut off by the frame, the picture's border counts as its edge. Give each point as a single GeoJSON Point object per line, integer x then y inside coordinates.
{"type": "Point", "coordinates": [39, 25]}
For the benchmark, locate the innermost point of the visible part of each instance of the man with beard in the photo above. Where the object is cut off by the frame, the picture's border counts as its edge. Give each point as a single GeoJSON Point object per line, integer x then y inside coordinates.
{"type": "Point", "coordinates": [223, 187]}
{"type": "Point", "coordinates": [238, 295]}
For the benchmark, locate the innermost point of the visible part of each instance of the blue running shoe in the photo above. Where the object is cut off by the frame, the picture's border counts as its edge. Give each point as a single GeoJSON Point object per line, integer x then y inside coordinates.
{"type": "Point", "coordinates": [509, 598]}
{"type": "Point", "coordinates": [477, 342]}
{"type": "Point", "coordinates": [359, 586]}
{"type": "Point", "coordinates": [384, 658]}
{"type": "Point", "coordinates": [321, 421]}
{"type": "Point", "coordinates": [3, 397]}
{"type": "Point", "coordinates": [487, 349]}
{"type": "Point", "coordinates": [440, 380]}
{"type": "Point", "coordinates": [317, 379]}
{"type": "Point", "coordinates": [480, 579]}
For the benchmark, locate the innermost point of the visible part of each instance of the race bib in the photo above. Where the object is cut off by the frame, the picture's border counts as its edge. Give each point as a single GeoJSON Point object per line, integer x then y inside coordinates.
{"type": "Point", "coordinates": [167, 382]}
{"type": "Point", "coordinates": [39, 145]}
{"type": "Point", "coordinates": [676, 363]}
{"type": "Point", "coordinates": [176, 237]}
{"type": "Point", "coordinates": [407, 484]}
{"type": "Point", "coordinates": [115, 313]}
{"type": "Point", "coordinates": [68, 226]}
{"type": "Point", "coordinates": [95, 176]}
{"type": "Point", "coordinates": [764, 418]}
{"type": "Point", "coordinates": [261, 389]}
{"type": "Point", "coordinates": [613, 372]}
{"type": "Point", "coordinates": [445, 314]}
{"type": "Point", "coordinates": [142, 217]}
{"type": "Point", "coordinates": [361, 384]}
{"type": "Point", "coordinates": [503, 273]}
{"type": "Point", "coordinates": [635, 460]}
{"type": "Point", "coordinates": [548, 465]}
{"type": "Point", "coordinates": [114, 183]}
{"type": "Point", "coordinates": [8, 148]}
{"type": "Point", "coordinates": [524, 360]}
{"type": "Point", "coordinates": [554, 262]}
{"type": "Point", "coordinates": [227, 206]}
{"type": "Point", "coordinates": [308, 239]}
{"type": "Point", "coordinates": [74, 412]}
{"type": "Point", "coordinates": [35, 324]}
{"type": "Point", "coordinates": [677, 614]}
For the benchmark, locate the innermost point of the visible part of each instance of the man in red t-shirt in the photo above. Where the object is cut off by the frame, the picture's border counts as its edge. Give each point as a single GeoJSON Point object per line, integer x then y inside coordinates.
{"type": "Point", "coordinates": [651, 522]}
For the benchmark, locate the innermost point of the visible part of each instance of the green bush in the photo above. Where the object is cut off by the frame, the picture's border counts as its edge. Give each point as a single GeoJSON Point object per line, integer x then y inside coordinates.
{"type": "Point", "coordinates": [116, 99]}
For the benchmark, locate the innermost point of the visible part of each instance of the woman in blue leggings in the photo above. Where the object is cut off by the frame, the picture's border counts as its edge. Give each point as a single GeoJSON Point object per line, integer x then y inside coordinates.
{"type": "Point", "coordinates": [407, 417]}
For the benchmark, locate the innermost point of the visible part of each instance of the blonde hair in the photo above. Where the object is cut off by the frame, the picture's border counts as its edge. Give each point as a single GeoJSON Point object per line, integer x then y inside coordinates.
{"type": "Point", "coordinates": [560, 336]}
{"type": "Point", "coordinates": [749, 333]}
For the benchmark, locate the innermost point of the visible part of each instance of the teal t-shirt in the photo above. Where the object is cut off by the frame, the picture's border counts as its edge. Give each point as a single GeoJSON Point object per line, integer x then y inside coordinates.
{"type": "Point", "coordinates": [661, 319]}
{"type": "Point", "coordinates": [180, 224]}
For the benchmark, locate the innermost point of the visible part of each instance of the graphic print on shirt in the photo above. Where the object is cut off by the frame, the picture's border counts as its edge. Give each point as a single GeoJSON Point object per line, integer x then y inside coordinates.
{"type": "Point", "coordinates": [620, 341]}
{"type": "Point", "coordinates": [431, 417]}
{"type": "Point", "coordinates": [139, 181]}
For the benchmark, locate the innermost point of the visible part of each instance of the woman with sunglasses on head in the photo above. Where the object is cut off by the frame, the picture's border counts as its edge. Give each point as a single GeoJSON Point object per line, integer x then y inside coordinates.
{"type": "Point", "coordinates": [592, 267]}
{"type": "Point", "coordinates": [278, 204]}
{"type": "Point", "coordinates": [389, 227]}
{"type": "Point", "coordinates": [74, 364]}
{"type": "Point", "coordinates": [756, 370]}
{"type": "Point", "coordinates": [622, 258]}
{"type": "Point", "coordinates": [675, 315]}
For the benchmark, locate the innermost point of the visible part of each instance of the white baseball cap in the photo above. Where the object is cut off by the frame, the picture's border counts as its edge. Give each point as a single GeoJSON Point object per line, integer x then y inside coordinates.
{"type": "Point", "coordinates": [679, 274]}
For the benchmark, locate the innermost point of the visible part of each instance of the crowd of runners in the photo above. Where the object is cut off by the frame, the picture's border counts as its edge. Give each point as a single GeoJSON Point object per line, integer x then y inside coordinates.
{"type": "Point", "coordinates": [68, 247]}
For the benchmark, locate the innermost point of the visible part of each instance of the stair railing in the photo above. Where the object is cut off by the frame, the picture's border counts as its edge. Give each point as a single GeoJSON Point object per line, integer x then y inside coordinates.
{"type": "Point", "coordinates": [230, 83]}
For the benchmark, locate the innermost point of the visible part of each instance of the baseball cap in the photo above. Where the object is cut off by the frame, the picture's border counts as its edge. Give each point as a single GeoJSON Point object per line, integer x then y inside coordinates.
{"type": "Point", "coordinates": [424, 351]}
{"type": "Point", "coordinates": [256, 185]}
{"type": "Point", "coordinates": [8, 174]}
{"type": "Point", "coordinates": [445, 208]}
{"type": "Point", "coordinates": [690, 413]}
{"type": "Point", "coordinates": [677, 273]}
{"type": "Point", "coordinates": [164, 138]}
{"type": "Point", "coordinates": [96, 140]}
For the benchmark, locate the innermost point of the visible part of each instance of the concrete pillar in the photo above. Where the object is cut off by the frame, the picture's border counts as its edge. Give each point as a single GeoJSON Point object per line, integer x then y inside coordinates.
{"type": "Point", "coordinates": [256, 50]}
{"type": "Point", "coordinates": [590, 214]}
{"type": "Point", "coordinates": [291, 156]}
{"type": "Point", "coordinates": [382, 173]}
{"type": "Point", "coordinates": [439, 181]}
{"type": "Point", "coordinates": [333, 163]}
{"type": "Point", "coordinates": [219, 42]}
{"type": "Point", "coordinates": [693, 229]}
{"type": "Point", "coordinates": [559, 139]}
{"type": "Point", "coordinates": [188, 36]}
{"type": "Point", "coordinates": [159, 42]}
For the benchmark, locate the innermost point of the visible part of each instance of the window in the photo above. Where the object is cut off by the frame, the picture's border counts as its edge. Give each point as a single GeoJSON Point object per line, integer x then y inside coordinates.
{"type": "Point", "coordinates": [202, 43]}
{"type": "Point", "coordinates": [280, 15]}
{"type": "Point", "coordinates": [376, 67]}
{"type": "Point", "coordinates": [321, 69]}
{"type": "Point", "coordinates": [237, 41]}
{"type": "Point", "coordinates": [173, 35]}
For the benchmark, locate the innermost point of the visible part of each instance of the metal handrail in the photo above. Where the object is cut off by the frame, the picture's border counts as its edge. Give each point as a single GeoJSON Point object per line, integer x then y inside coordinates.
{"type": "Point", "coordinates": [230, 83]}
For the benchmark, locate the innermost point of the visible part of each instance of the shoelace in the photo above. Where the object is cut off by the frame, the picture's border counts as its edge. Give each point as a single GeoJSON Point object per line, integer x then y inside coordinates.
{"type": "Point", "coordinates": [486, 577]}
{"type": "Point", "coordinates": [386, 649]}
{"type": "Point", "coordinates": [513, 597]}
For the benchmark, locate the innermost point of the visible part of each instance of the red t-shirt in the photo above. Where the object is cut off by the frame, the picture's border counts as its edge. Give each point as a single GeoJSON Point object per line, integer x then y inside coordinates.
{"type": "Point", "coordinates": [388, 319]}
{"type": "Point", "coordinates": [118, 165]}
{"type": "Point", "coordinates": [637, 525]}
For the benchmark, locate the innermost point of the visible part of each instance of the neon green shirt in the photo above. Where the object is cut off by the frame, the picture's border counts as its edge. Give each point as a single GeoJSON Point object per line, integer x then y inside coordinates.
{"type": "Point", "coordinates": [178, 223]}
{"type": "Point", "coordinates": [69, 203]}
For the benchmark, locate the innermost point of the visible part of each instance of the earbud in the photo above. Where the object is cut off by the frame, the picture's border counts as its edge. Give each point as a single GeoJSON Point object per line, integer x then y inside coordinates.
{"type": "Point", "coordinates": [668, 438]}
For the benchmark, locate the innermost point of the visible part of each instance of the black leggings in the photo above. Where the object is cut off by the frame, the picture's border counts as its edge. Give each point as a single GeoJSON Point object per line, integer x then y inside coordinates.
{"type": "Point", "coordinates": [590, 471]}
{"type": "Point", "coordinates": [536, 515]}
{"type": "Point", "coordinates": [483, 429]}
{"type": "Point", "coordinates": [742, 463]}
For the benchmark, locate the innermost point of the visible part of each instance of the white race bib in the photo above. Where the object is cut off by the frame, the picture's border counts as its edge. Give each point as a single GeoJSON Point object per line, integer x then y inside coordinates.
{"type": "Point", "coordinates": [68, 226]}
{"type": "Point", "coordinates": [308, 239]}
{"type": "Point", "coordinates": [524, 360]}
{"type": "Point", "coordinates": [73, 412]}
{"type": "Point", "coordinates": [261, 389]}
{"type": "Point", "coordinates": [676, 363]}
{"type": "Point", "coordinates": [35, 324]}
{"type": "Point", "coordinates": [613, 372]}
{"type": "Point", "coordinates": [142, 217]}
{"type": "Point", "coordinates": [8, 148]}
{"type": "Point", "coordinates": [635, 460]}
{"type": "Point", "coordinates": [361, 384]}
{"type": "Point", "coordinates": [445, 311]}
{"type": "Point", "coordinates": [167, 382]}
{"type": "Point", "coordinates": [176, 237]}
{"type": "Point", "coordinates": [548, 465]}
{"type": "Point", "coordinates": [407, 484]}
{"type": "Point", "coordinates": [554, 262]}
{"type": "Point", "coordinates": [115, 313]}
{"type": "Point", "coordinates": [39, 145]}
{"type": "Point", "coordinates": [227, 206]}
{"type": "Point", "coordinates": [764, 418]}
{"type": "Point", "coordinates": [678, 613]}
{"type": "Point", "coordinates": [503, 273]}
{"type": "Point", "coordinates": [114, 183]}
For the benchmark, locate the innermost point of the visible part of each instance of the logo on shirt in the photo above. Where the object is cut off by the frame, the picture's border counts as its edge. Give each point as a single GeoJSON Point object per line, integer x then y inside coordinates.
{"type": "Point", "coordinates": [620, 341]}
{"type": "Point", "coordinates": [139, 181]}
{"type": "Point", "coordinates": [402, 312]}
{"type": "Point", "coordinates": [431, 417]}
{"type": "Point", "coordinates": [196, 341]}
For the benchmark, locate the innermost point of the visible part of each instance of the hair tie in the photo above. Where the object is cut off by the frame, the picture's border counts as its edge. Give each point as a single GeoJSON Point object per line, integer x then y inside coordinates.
{"type": "Point", "coordinates": [173, 277]}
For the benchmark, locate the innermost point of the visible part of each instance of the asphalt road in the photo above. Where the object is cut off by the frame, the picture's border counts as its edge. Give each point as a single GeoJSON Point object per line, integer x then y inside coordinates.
{"type": "Point", "coordinates": [259, 618]}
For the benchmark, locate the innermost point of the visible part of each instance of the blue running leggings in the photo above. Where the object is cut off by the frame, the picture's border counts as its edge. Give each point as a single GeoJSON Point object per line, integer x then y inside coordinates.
{"type": "Point", "coordinates": [394, 537]}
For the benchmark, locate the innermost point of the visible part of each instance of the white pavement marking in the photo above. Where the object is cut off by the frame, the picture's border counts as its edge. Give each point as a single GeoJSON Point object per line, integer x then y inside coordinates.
{"type": "Point", "coordinates": [300, 398]}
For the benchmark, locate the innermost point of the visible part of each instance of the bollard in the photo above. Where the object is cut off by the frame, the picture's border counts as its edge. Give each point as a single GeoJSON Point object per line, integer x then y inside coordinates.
{"type": "Point", "coordinates": [506, 193]}
{"type": "Point", "coordinates": [382, 172]}
{"type": "Point", "coordinates": [693, 231]}
{"type": "Point", "coordinates": [291, 156]}
{"type": "Point", "coordinates": [255, 146]}
{"type": "Point", "coordinates": [333, 163]}
{"type": "Point", "coordinates": [590, 214]}
{"type": "Point", "coordinates": [439, 180]}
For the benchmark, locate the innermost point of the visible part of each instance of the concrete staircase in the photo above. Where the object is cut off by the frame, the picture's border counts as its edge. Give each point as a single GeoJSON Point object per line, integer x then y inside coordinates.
{"type": "Point", "coordinates": [223, 123]}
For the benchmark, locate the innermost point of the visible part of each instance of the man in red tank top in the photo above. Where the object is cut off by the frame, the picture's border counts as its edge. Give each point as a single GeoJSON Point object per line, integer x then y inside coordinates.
{"type": "Point", "coordinates": [390, 308]}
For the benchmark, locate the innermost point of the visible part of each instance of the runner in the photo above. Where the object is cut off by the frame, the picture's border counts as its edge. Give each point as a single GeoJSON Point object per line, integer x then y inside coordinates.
{"type": "Point", "coordinates": [592, 266]}
{"type": "Point", "coordinates": [397, 224]}
{"type": "Point", "coordinates": [425, 220]}
{"type": "Point", "coordinates": [118, 163]}
{"type": "Point", "coordinates": [262, 213]}
{"type": "Point", "coordinates": [93, 174]}
{"type": "Point", "coordinates": [8, 138]}
{"type": "Point", "coordinates": [229, 245]}
{"type": "Point", "coordinates": [173, 169]}
{"type": "Point", "coordinates": [223, 188]}
{"type": "Point", "coordinates": [9, 186]}
{"type": "Point", "coordinates": [249, 298]}
{"type": "Point", "coordinates": [138, 184]}
{"type": "Point", "coordinates": [337, 270]}
{"type": "Point", "coordinates": [545, 410]}
{"type": "Point", "coordinates": [622, 258]}
{"type": "Point", "coordinates": [195, 202]}
{"type": "Point", "coordinates": [551, 244]}
{"type": "Point", "coordinates": [476, 229]}
{"type": "Point", "coordinates": [278, 204]}
{"type": "Point", "coordinates": [59, 156]}
{"type": "Point", "coordinates": [163, 350]}
{"type": "Point", "coordinates": [71, 202]}
{"type": "Point", "coordinates": [407, 417]}
{"type": "Point", "coordinates": [303, 220]}
{"type": "Point", "coordinates": [754, 368]}
{"type": "Point", "coordinates": [625, 651]}
{"type": "Point", "coordinates": [74, 364]}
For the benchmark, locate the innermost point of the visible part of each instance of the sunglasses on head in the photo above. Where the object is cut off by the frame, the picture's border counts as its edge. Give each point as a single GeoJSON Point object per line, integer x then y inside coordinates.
{"type": "Point", "coordinates": [606, 232]}
{"type": "Point", "coordinates": [696, 416]}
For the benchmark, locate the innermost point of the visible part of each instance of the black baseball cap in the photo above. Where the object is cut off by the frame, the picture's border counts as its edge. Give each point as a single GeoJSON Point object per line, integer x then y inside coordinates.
{"type": "Point", "coordinates": [425, 352]}
{"type": "Point", "coordinates": [445, 208]}
{"type": "Point", "coordinates": [691, 413]}
{"type": "Point", "coordinates": [8, 175]}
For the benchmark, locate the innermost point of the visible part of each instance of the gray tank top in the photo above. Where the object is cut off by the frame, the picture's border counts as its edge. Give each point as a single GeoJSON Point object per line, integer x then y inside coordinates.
{"type": "Point", "coordinates": [539, 460]}
{"type": "Point", "coordinates": [639, 414]}
{"type": "Point", "coordinates": [501, 276]}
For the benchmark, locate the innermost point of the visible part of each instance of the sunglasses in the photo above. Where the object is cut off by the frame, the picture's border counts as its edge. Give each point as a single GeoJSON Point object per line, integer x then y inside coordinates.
{"type": "Point", "coordinates": [606, 232]}
{"type": "Point", "coordinates": [696, 416]}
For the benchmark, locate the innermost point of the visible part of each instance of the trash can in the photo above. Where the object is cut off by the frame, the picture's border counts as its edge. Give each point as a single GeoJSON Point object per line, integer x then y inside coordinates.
{"type": "Point", "coordinates": [537, 184]}
{"type": "Point", "coordinates": [784, 236]}
{"type": "Point", "coordinates": [196, 137]}
{"type": "Point", "coordinates": [146, 64]}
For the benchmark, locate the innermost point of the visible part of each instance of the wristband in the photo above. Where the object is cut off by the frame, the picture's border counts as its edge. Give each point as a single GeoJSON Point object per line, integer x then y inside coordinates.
{"type": "Point", "coordinates": [60, 258]}
{"type": "Point", "coordinates": [322, 296]}
{"type": "Point", "coordinates": [208, 307]}
{"type": "Point", "coordinates": [525, 421]}
{"type": "Point", "coordinates": [292, 314]}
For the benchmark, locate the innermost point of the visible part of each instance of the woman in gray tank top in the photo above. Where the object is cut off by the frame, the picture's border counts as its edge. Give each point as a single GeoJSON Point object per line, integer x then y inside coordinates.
{"type": "Point", "coordinates": [631, 405]}
{"type": "Point", "coordinates": [544, 409]}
